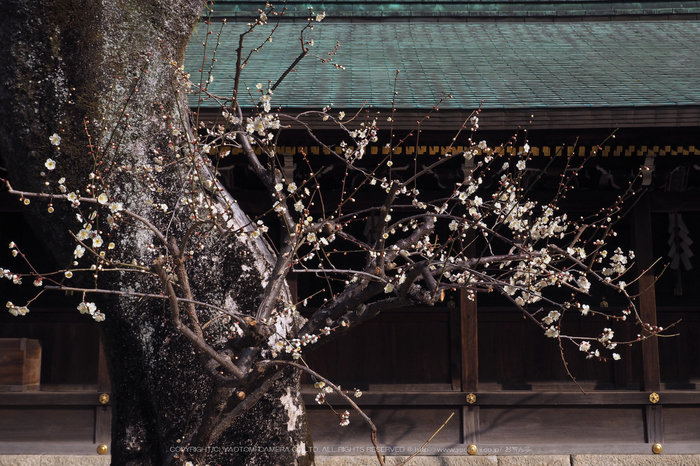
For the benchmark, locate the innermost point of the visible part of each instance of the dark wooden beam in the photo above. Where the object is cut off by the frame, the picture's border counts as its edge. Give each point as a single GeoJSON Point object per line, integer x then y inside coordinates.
{"type": "Point", "coordinates": [470, 424]}
{"type": "Point", "coordinates": [470, 348]}
{"type": "Point", "coordinates": [292, 282]}
{"type": "Point", "coordinates": [671, 202]}
{"type": "Point", "coordinates": [104, 385]}
{"type": "Point", "coordinates": [103, 414]}
{"type": "Point", "coordinates": [641, 232]}
{"type": "Point", "coordinates": [508, 119]}
{"type": "Point", "coordinates": [470, 365]}
{"type": "Point", "coordinates": [45, 398]}
{"type": "Point", "coordinates": [517, 398]}
{"type": "Point", "coordinates": [456, 348]}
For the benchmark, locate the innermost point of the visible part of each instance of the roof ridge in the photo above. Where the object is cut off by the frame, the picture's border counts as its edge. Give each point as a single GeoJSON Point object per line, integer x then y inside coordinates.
{"type": "Point", "coordinates": [470, 9]}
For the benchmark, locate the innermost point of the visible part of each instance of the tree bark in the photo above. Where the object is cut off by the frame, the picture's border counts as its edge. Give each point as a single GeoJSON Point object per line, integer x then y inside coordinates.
{"type": "Point", "coordinates": [79, 67]}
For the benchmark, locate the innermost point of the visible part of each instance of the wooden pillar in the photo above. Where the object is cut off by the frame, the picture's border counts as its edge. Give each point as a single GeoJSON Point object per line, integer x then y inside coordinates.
{"type": "Point", "coordinates": [470, 366]}
{"type": "Point", "coordinates": [455, 346]}
{"type": "Point", "coordinates": [646, 303]}
{"type": "Point", "coordinates": [103, 414]}
{"type": "Point", "coordinates": [470, 354]}
{"type": "Point", "coordinates": [292, 282]}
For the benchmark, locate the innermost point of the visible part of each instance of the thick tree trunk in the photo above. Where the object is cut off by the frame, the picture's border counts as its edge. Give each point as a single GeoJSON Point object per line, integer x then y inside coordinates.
{"type": "Point", "coordinates": [68, 65]}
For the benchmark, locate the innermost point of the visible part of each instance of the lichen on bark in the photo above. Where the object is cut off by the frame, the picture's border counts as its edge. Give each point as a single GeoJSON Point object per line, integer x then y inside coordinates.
{"type": "Point", "coordinates": [72, 65]}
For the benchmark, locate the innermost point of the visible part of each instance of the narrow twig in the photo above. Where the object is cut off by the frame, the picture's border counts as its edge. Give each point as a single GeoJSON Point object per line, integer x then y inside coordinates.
{"type": "Point", "coordinates": [427, 441]}
{"type": "Point", "coordinates": [337, 389]}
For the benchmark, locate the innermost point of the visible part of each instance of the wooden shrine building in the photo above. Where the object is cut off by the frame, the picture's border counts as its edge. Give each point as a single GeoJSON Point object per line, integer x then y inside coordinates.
{"type": "Point", "coordinates": [569, 72]}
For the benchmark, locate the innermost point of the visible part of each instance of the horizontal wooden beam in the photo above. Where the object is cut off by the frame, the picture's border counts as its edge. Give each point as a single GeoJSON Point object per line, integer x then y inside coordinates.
{"type": "Point", "coordinates": [55, 449]}
{"type": "Point", "coordinates": [325, 448]}
{"type": "Point", "coordinates": [508, 119]}
{"type": "Point", "coordinates": [44, 398]}
{"type": "Point", "coordinates": [516, 398]}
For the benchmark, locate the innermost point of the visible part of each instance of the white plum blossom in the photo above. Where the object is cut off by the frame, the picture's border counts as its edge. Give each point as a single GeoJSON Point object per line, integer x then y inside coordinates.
{"type": "Point", "coordinates": [87, 308]}
{"type": "Point", "coordinates": [55, 139]}
{"type": "Point", "coordinates": [73, 198]}
{"type": "Point", "coordinates": [585, 309]}
{"type": "Point", "coordinates": [18, 310]}
{"type": "Point", "coordinates": [79, 251]}
{"type": "Point", "coordinates": [584, 284]}
{"type": "Point", "coordinates": [91, 309]}
{"type": "Point", "coordinates": [553, 316]}
{"type": "Point", "coordinates": [116, 206]}
{"type": "Point", "coordinates": [50, 164]}
{"type": "Point", "coordinates": [606, 338]}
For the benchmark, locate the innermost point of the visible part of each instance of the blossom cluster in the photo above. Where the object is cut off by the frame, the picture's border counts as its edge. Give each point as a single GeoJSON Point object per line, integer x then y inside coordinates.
{"type": "Point", "coordinates": [16, 310]}
{"type": "Point", "coordinates": [91, 309]}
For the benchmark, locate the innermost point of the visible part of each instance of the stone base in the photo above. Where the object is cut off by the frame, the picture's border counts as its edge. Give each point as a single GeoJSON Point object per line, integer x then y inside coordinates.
{"type": "Point", "coordinates": [533, 460]}
{"type": "Point", "coordinates": [54, 460]}
{"type": "Point", "coordinates": [635, 460]}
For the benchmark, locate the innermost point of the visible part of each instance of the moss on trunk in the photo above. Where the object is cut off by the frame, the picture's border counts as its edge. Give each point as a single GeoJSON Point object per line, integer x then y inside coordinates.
{"type": "Point", "coordinates": [76, 64]}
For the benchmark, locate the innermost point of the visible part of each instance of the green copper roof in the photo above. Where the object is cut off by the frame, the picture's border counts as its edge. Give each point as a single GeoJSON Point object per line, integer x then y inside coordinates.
{"type": "Point", "coordinates": [461, 8]}
{"type": "Point", "coordinates": [507, 65]}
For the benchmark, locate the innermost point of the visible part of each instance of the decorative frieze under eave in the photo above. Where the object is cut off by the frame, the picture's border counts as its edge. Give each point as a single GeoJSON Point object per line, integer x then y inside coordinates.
{"type": "Point", "coordinates": [541, 151]}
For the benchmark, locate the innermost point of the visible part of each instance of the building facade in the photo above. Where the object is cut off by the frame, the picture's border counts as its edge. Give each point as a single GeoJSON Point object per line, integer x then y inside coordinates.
{"type": "Point", "coordinates": [563, 76]}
